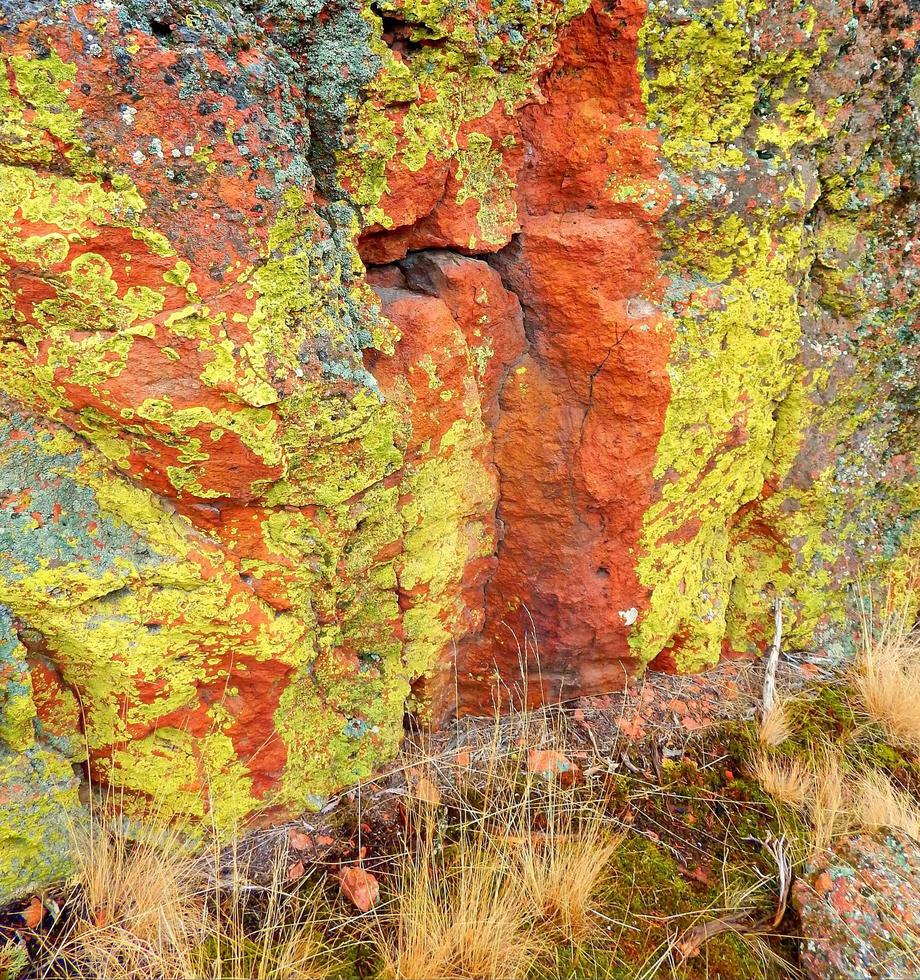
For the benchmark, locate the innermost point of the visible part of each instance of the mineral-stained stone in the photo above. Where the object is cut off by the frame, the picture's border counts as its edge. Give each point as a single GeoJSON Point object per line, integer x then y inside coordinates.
{"type": "Point", "coordinates": [359, 357]}
{"type": "Point", "coordinates": [859, 904]}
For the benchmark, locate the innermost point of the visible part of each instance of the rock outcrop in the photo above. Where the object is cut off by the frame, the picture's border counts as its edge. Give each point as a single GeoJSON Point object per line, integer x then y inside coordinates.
{"type": "Point", "coordinates": [858, 904]}
{"type": "Point", "coordinates": [364, 356]}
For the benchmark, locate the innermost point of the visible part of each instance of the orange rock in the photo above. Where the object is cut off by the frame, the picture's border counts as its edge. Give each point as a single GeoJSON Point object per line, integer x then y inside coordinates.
{"type": "Point", "coordinates": [452, 219]}
{"type": "Point", "coordinates": [33, 914]}
{"type": "Point", "coordinates": [550, 763]}
{"type": "Point", "coordinates": [425, 789]}
{"type": "Point", "coordinates": [360, 887]}
{"type": "Point", "coordinates": [583, 410]}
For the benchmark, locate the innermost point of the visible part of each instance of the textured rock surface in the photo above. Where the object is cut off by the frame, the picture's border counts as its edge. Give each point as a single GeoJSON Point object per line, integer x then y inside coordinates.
{"type": "Point", "coordinates": [860, 909]}
{"type": "Point", "coordinates": [363, 354]}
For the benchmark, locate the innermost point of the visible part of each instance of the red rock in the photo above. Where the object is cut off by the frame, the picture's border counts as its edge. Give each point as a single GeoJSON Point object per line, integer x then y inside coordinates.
{"type": "Point", "coordinates": [585, 407]}
{"type": "Point", "coordinates": [33, 914]}
{"type": "Point", "coordinates": [453, 219]}
{"type": "Point", "coordinates": [858, 903]}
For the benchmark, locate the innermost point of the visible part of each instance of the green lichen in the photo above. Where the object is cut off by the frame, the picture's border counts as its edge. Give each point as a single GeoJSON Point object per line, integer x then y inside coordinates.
{"type": "Point", "coordinates": [735, 524]}
{"type": "Point", "coordinates": [482, 179]}
{"type": "Point", "coordinates": [481, 61]}
{"type": "Point", "coordinates": [441, 538]}
{"type": "Point", "coordinates": [704, 84]}
{"type": "Point", "coordinates": [731, 367]}
{"type": "Point", "coordinates": [38, 788]}
{"type": "Point", "coordinates": [40, 808]}
{"type": "Point", "coordinates": [139, 611]}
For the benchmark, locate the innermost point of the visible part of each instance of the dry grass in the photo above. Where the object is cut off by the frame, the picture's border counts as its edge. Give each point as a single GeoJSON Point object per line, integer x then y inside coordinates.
{"type": "Point", "coordinates": [815, 789]}
{"type": "Point", "coordinates": [878, 803]}
{"type": "Point", "coordinates": [829, 811]}
{"type": "Point", "coordinates": [837, 787]}
{"type": "Point", "coordinates": [562, 874]}
{"type": "Point", "coordinates": [837, 803]}
{"type": "Point", "coordinates": [775, 726]}
{"type": "Point", "coordinates": [523, 870]}
{"type": "Point", "coordinates": [457, 913]}
{"type": "Point", "coordinates": [274, 938]}
{"type": "Point", "coordinates": [137, 910]}
{"type": "Point", "coordinates": [886, 678]}
{"type": "Point", "coordinates": [143, 908]}
{"type": "Point", "coordinates": [786, 780]}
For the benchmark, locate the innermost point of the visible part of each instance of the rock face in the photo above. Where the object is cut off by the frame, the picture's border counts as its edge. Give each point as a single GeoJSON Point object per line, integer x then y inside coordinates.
{"type": "Point", "coordinates": [860, 909]}
{"type": "Point", "coordinates": [364, 355]}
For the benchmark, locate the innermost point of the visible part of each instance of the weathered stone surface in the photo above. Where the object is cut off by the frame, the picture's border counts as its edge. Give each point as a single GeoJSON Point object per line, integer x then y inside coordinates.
{"type": "Point", "coordinates": [363, 354]}
{"type": "Point", "coordinates": [860, 909]}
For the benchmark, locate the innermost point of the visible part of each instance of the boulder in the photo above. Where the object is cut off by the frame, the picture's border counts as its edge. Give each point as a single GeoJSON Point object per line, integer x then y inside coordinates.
{"type": "Point", "coordinates": [859, 906]}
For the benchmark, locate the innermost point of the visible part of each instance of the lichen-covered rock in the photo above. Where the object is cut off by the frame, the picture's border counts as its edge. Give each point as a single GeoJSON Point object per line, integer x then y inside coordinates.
{"type": "Point", "coordinates": [356, 354]}
{"type": "Point", "coordinates": [38, 786]}
{"type": "Point", "coordinates": [860, 909]}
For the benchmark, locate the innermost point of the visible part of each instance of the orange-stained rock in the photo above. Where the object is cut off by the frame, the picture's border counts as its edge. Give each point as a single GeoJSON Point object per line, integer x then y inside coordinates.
{"type": "Point", "coordinates": [461, 330]}
{"type": "Point", "coordinates": [475, 212]}
{"type": "Point", "coordinates": [583, 412]}
{"type": "Point", "coordinates": [360, 887]}
{"type": "Point", "coordinates": [364, 358]}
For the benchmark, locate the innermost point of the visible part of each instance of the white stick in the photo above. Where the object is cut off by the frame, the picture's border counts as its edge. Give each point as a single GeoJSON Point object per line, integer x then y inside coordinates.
{"type": "Point", "coordinates": [769, 677]}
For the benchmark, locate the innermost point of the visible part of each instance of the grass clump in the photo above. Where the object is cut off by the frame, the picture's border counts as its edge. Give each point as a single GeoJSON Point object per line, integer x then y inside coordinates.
{"type": "Point", "coordinates": [142, 906]}
{"type": "Point", "coordinates": [878, 803]}
{"type": "Point", "coordinates": [838, 795]}
{"type": "Point", "coordinates": [886, 679]}
{"type": "Point", "coordinates": [562, 875]}
{"type": "Point", "coordinates": [487, 895]}
{"type": "Point", "coordinates": [828, 808]}
{"type": "Point", "coordinates": [787, 781]}
{"type": "Point", "coordinates": [455, 916]}
{"type": "Point", "coordinates": [775, 725]}
{"type": "Point", "coordinates": [137, 910]}
{"type": "Point", "coordinates": [275, 937]}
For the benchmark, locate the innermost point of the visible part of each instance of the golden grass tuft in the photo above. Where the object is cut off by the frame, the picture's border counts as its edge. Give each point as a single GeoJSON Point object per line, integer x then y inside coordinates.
{"type": "Point", "coordinates": [834, 802]}
{"type": "Point", "coordinates": [829, 811]}
{"type": "Point", "coordinates": [878, 803]}
{"type": "Point", "coordinates": [886, 678]}
{"type": "Point", "coordinates": [456, 913]}
{"type": "Point", "coordinates": [786, 780]}
{"type": "Point", "coordinates": [523, 870]}
{"type": "Point", "coordinates": [137, 909]}
{"type": "Point", "coordinates": [775, 725]}
{"type": "Point", "coordinates": [816, 789]}
{"type": "Point", "coordinates": [562, 874]}
{"type": "Point", "coordinates": [143, 908]}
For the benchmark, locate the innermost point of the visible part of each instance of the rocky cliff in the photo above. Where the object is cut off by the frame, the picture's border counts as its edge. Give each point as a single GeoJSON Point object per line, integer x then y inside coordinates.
{"type": "Point", "coordinates": [366, 355]}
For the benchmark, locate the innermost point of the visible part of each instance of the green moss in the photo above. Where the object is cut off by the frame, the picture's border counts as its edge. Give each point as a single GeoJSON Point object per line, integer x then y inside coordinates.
{"type": "Point", "coordinates": [830, 712]}
{"type": "Point", "coordinates": [648, 900]}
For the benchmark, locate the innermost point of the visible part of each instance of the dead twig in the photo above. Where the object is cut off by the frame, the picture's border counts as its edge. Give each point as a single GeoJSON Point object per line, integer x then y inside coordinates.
{"type": "Point", "coordinates": [769, 678]}
{"type": "Point", "coordinates": [694, 939]}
